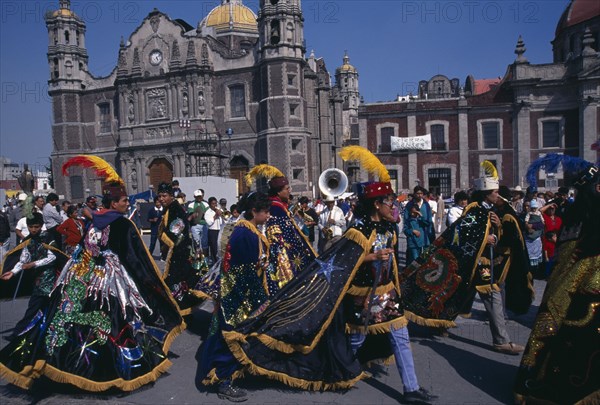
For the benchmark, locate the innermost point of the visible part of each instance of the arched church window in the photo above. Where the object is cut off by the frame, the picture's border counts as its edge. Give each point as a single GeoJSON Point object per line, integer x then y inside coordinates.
{"type": "Point", "coordinates": [77, 37]}
{"type": "Point", "coordinates": [274, 2]}
{"type": "Point", "coordinates": [55, 61]}
{"type": "Point", "coordinates": [67, 37]}
{"type": "Point", "coordinates": [55, 36]}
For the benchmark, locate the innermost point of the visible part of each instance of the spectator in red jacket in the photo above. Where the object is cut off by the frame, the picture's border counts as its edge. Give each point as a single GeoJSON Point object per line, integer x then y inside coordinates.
{"type": "Point", "coordinates": [72, 229]}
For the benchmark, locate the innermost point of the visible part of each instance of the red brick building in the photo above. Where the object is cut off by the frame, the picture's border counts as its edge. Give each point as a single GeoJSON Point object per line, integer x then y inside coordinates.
{"type": "Point", "coordinates": [511, 121]}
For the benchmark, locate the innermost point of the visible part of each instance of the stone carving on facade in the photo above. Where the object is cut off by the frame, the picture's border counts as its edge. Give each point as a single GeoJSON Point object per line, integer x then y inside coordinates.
{"type": "Point", "coordinates": [157, 102]}
{"type": "Point", "coordinates": [185, 102]}
{"type": "Point", "coordinates": [160, 132]}
{"type": "Point", "coordinates": [191, 54]}
{"type": "Point", "coordinates": [201, 102]}
{"type": "Point", "coordinates": [136, 62]}
{"type": "Point", "coordinates": [175, 55]}
{"type": "Point", "coordinates": [154, 23]}
{"type": "Point", "coordinates": [204, 54]}
{"type": "Point", "coordinates": [130, 110]}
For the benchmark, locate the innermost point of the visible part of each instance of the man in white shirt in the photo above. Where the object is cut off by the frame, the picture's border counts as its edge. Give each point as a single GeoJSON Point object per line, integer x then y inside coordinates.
{"type": "Point", "coordinates": [52, 219]}
{"type": "Point", "coordinates": [331, 221]}
{"type": "Point", "coordinates": [214, 221]}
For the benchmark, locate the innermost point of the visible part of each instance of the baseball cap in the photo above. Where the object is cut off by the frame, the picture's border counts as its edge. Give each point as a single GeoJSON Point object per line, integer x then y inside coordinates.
{"type": "Point", "coordinates": [198, 193]}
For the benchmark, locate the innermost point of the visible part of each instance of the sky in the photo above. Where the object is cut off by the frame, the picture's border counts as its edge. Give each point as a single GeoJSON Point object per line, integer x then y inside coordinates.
{"type": "Point", "coordinates": [394, 44]}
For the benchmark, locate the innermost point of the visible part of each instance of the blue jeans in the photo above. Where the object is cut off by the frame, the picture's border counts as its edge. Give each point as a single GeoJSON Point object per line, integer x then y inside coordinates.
{"type": "Point", "coordinates": [205, 237]}
{"type": "Point", "coordinates": [197, 234]}
{"type": "Point", "coordinates": [400, 342]}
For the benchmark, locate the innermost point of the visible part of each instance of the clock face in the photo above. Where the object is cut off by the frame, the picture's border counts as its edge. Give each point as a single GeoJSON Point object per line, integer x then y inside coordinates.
{"type": "Point", "coordinates": [155, 57]}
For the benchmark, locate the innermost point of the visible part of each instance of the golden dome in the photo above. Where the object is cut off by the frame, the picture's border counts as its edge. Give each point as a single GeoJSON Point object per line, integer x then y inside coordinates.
{"type": "Point", "coordinates": [346, 67]}
{"type": "Point", "coordinates": [231, 16]}
{"type": "Point", "coordinates": [63, 12]}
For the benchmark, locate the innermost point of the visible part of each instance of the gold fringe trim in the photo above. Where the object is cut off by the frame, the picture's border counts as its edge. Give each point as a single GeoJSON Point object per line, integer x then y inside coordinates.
{"type": "Point", "coordinates": [592, 399]}
{"type": "Point", "coordinates": [378, 328]}
{"type": "Point", "coordinates": [200, 294]}
{"type": "Point", "coordinates": [233, 337]}
{"type": "Point", "coordinates": [387, 361]}
{"type": "Point", "coordinates": [239, 354]}
{"type": "Point", "coordinates": [433, 323]}
{"type": "Point", "coordinates": [25, 378]}
{"type": "Point", "coordinates": [212, 377]}
{"type": "Point", "coordinates": [125, 385]}
{"type": "Point", "coordinates": [366, 291]}
{"type": "Point", "coordinates": [487, 288]}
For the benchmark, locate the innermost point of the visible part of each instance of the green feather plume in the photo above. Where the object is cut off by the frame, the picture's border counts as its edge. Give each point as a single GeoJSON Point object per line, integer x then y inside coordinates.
{"type": "Point", "coordinates": [367, 161]}
{"type": "Point", "coordinates": [263, 170]}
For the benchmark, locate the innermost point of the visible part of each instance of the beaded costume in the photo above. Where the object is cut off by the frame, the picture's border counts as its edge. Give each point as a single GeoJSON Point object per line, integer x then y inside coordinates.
{"type": "Point", "coordinates": [561, 363]}
{"type": "Point", "coordinates": [443, 281]}
{"type": "Point", "coordinates": [110, 319]}
{"type": "Point", "coordinates": [183, 269]}
{"type": "Point", "coordinates": [290, 251]}
{"type": "Point", "coordinates": [242, 294]}
{"type": "Point", "coordinates": [299, 338]}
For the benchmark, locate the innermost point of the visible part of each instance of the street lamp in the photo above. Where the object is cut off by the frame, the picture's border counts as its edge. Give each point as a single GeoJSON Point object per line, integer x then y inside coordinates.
{"type": "Point", "coordinates": [87, 191]}
{"type": "Point", "coordinates": [151, 188]}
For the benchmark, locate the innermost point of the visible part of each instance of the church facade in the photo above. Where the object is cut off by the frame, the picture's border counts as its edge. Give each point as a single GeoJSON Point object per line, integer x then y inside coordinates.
{"type": "Point", "coordinates": [534, 109]}
{"type": "Point", "coordinates": [216, 99]}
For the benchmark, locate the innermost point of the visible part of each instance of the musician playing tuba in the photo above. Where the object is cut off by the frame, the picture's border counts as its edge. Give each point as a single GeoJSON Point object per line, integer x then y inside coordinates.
{"type": "Point", "coordinates": [331, 223]}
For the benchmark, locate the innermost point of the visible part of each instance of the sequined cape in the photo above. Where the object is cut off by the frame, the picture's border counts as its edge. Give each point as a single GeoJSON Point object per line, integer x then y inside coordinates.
{"type": "Point", "coordinates": [242, 294]}
{"type": "Point", "coordinates": [289, 251]}
{"type": "Point", "coordinates": [110, 319]}
{"type": "Point", "coordinates": [299, 339]}
{"type": "Point", "coordinates": [36, 281]}
{"type": "Point", "coordinates": [561, 363]}
{"type": "Point", "coordinates": [438, 285]}
{"type": "Point", "coordinates": [180, 275]}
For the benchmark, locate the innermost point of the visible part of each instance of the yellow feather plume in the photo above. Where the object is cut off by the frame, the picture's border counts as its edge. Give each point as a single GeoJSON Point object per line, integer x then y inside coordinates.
{"type": "Point", "coordinates": [101, 167]}
{"type": "Point", "coordinates": [490, 170]}
{"type": "Point", "coordinates": [263, 170]}
{"type": "Point", "coordinates": [367, 161]}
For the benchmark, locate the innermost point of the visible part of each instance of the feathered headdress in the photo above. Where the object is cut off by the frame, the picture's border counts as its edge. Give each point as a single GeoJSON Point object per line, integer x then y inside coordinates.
{"type": "Point", "coordinates": [100, 166]}
{"type": "Point", "coordinates": [366, 160]}
{"type": "Point", "coordinates": [113, 186]}
{"type": "Point", "coordinates": [369, 162]}
{"type": "Point", "coordinates": [550, 163]}
{"type": "Point", "coordinates": [490, 180]}
{"type": "Point", "coordinates": [273, 175]}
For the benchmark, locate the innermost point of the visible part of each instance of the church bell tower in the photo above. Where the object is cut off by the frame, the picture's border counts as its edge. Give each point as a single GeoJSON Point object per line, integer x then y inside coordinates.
{"type": "Point", "coordinates": [281, 29]}
{"type": "Point", "coordinates": [67, 55]}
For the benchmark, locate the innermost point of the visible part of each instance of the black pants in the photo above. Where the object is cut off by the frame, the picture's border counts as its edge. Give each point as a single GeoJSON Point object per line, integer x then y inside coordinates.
{"type": "Point", "coordinates": [153, 237]}
{"type": "Point", "coordinates": [213, 243]}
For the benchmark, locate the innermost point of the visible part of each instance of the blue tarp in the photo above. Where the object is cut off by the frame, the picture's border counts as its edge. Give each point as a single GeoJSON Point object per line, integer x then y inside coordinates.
{"type": "Point", "coordinates": [146, 196]}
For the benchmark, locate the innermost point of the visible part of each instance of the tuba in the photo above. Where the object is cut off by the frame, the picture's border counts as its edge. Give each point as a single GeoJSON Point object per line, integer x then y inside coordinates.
{"type": "Point", "coordinates": [333, 183]}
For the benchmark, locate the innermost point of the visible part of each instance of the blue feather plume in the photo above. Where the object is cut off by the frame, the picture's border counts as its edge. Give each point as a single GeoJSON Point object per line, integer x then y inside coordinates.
{"type": "Point", "coordinates": [550, 164]}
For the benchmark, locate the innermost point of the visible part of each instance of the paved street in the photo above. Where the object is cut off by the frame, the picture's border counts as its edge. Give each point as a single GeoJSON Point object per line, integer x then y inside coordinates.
{"type": "Point", "coordinates": [461, 369]}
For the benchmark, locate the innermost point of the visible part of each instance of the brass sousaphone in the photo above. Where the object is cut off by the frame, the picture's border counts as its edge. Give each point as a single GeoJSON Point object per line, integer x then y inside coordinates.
{"type": "Point", "coordinates": [332, 183]}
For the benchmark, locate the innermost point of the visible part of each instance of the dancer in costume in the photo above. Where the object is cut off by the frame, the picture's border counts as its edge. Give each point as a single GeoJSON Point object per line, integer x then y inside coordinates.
{"type": "Point", "coordinates": [477, 254]}
{"type": "Point", "coordinates": [373, 302]}
{"type": "Point", "coordinates": [290, 250]}
{"type": "Point", "coordinates": [184, 263]}
{"type": "Point", "coordinates": [110, 319]}
{"type": "Point", "coordinates": [32, 268]}
{"type": "Point", "coordinates": [561, 364]}
{"type": "Point", "coordinates": [242, 294]}
{"type": "Point", "coordinates": [299, 339]}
